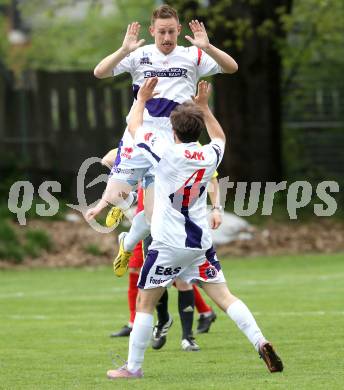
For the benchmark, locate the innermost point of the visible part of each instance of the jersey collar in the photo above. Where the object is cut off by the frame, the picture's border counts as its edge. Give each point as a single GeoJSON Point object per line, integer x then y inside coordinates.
{"type": "Point", "coordinates": [163, 54]}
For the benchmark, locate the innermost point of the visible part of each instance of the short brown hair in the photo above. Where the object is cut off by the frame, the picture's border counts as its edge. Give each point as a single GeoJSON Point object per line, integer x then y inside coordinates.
{"type": "Point", "coordinates": [164, 12]}
{"type": "Point", "coordinates": [188, 122]}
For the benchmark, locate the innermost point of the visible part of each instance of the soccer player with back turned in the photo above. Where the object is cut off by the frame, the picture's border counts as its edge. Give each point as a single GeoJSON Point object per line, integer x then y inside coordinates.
{"type": "Point", "coordinates": [182, 244]}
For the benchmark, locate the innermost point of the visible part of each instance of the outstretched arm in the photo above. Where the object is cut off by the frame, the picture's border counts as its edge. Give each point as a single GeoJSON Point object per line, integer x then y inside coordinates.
{"type": "Point", "coordinates": [145, 93]}
{"type": "Point", "coordinates": [201, 40]}
{"type": "Point", "coordinates": [130, 43]}
{"type": "Point", "coordinates": [201, 99]}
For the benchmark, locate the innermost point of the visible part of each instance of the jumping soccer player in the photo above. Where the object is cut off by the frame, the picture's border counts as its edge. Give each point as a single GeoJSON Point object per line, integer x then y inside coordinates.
{"type": "Point", "coordinates": [178, 68]}
{"type": "Point", "coordinates": [182, 244]}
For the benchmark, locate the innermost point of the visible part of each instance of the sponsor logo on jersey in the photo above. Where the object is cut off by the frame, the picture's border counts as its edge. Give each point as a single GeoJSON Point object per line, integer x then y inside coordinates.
{"type": "Point", "coordinates": [170, 72]}
{"type": "Point", "coordinates": [211, 272]}
{"type": "Point", "coordinates": [147, 136]}
{"type": "Point", "coordinates": [157, 281]}
{"type": "Point", "coordinates": [146, 59]}
{"type": "Point", "coordinates": [126, 152]}
{"type": "Point", "coordinates": [160, 270]}
{"type": "Point", "coordinates": [194, 155]}
{"type": "Point", "coordinates": [124, 171]}
{"type": "Point", "coordinates": [149, 139]}
{"type": "Point", "coordinates": [208, 270]}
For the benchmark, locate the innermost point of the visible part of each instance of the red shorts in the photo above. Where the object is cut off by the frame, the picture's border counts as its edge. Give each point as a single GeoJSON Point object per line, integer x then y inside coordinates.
{"type": "Point", "coordinates": [136, 260]}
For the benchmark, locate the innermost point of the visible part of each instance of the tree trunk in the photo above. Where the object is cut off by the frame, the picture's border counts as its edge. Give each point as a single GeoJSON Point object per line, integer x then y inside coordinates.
{"type": "Point", "coordinates": [248, 103]}
{"type": "Point", "coordinates": [248, 106]}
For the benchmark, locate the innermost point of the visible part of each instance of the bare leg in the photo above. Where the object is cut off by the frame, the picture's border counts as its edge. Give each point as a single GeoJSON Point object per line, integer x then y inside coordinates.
{"type": "Point", "coordinates": [140, 227]}
{"type": "Point", "coordinates": [149, 202]}
{"type": "Point", "coordinates": [220, 294]}
{"type": "Point", "coordinates": [237, 311]}
{"type": "Point", "coordinates": [148, 299]}
{"type": "Point", "coordinates": [118, 194]}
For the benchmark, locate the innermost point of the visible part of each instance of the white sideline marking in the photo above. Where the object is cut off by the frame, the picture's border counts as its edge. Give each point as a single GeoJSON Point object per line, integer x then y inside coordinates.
{"type": "Point", "coordinates": [256, 313]}
{"type": "Point", "coordinates": [22, 317]}
{"type": "Point", "coordinates": [12, 295]}
{"type": "Point", "coordinates": [298, 313]}
{"type": "Point", "coordinates": [70, 293]}
{"type": "Point", "coordinates": [32, 317]}
{"type": "Point", "coordinates": [293, 278]}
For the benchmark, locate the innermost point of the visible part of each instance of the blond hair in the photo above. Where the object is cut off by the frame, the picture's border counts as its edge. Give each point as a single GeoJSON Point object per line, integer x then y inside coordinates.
{"type": "Point", "coordinates": [164, 12]}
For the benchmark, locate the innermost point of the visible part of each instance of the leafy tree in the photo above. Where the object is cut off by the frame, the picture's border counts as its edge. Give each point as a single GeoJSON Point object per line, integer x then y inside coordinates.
{"type": "Point", "coordinates": [315, 41]}
{"type": "Point", "coordinates": [249, 102]}
{"type": "Point", "coordinates": [3, 42]}
{"type": "Point", "coordinates": [313, 88]}
{"type": "Point", "coordinates": [274, 43]}
{"type": "Point", "coordinates": [65, 36]}
{"type": "Point", "coordinates": [281, 51]}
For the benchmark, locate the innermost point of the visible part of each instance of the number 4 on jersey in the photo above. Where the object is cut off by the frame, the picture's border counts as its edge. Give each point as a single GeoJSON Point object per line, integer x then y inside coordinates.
{"type": "Point", "coordinates": [183, 199]}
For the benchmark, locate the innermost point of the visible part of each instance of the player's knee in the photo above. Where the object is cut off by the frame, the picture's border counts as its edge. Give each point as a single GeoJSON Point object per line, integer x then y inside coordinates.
{"type": "Point", "coordinates": [145, 304]}
{"type": "Point", "coordinates": [226, 300]}
{"type": "Point", "coordinates": [105, 162]}
{"type": "Point", "coordinates": [144, 307]}
{"type": "Point", "coordinates": [116, 192]}
{"type": "Point", "coordinates": [118, 197]}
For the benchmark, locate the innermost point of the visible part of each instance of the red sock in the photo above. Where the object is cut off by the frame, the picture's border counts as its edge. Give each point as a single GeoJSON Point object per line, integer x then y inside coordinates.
{"type": "Point", "coordinates": [132, 294]}
{"type": "Point", "coordinates": [200, 303]}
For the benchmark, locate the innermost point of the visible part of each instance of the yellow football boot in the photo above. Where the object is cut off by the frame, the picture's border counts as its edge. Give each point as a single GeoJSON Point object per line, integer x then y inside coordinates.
{"type": "Point", "coordinates": [114, 217]}
{"type": "Point", "coordinates": [120, 264]}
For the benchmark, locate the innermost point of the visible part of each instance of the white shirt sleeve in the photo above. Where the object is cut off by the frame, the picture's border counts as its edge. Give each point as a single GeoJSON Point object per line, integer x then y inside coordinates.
{"type": "Point", "coordinates": [206, 65]}
{"type": "Point", "coordinates": [150, 145]}
{"type": "Point", "coordinates": [126, 65]}
{"type": "Point", "coordinates": [218, 146]}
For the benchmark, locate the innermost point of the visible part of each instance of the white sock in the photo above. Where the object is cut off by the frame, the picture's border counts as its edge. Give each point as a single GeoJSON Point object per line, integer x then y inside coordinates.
{"type": "Point", "coordinates": [125, 204]}
{"type": "Point", "coordinates": [139, 340]}
{"type": "Point", "coordinates": [245, 321]}
{"type": "Point", "coordinates": [138, 231]}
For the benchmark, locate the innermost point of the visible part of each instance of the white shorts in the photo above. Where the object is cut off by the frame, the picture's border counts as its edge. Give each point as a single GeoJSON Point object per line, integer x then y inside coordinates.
{"type": "Point", "coordinates": [164, 263]}
{"type": "Point", "coordinates": [132, 176]}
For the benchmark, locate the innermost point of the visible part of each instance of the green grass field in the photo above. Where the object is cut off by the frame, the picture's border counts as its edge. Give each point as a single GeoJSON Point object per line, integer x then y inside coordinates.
{"type": "Point", "coordinates": [54, 327]}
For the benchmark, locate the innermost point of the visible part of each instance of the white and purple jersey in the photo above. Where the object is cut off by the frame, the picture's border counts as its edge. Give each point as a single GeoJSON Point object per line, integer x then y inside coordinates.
{"type": "Point", "coordinates": [178, 73]}
{"type": "Point", "coordinates": [182, 173]}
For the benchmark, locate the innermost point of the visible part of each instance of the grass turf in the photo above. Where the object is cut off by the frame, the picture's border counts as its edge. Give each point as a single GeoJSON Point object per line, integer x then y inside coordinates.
{"type": "Point", "coordinates": [54, 327]}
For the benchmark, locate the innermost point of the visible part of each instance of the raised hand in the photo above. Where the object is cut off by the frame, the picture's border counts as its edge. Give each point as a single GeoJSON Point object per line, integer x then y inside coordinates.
{"type": "Point", "coordinates": [131, 42]}
{"type": "Point", "coordinates": [146, 91]}
{"type": "Point", "coordinates": [200, 38]}
{"type": "Point", "coordinates": [203, 93]}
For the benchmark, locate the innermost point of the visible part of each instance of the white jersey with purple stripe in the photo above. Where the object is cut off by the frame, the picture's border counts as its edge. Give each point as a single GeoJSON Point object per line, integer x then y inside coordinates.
{"type": "Point", "coordinates": [178, 74]}
{"type": "Point", "coordinates": [182, 173]}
